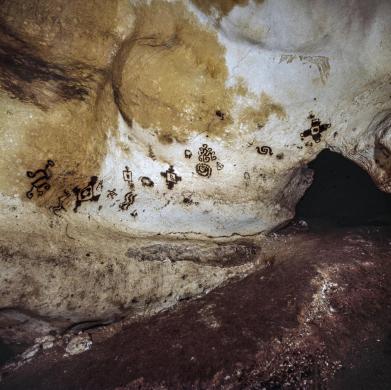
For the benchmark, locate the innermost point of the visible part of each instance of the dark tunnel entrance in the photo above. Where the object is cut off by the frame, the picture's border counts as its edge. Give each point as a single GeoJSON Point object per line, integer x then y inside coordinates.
{"type": "Point", "coordinates": [343, 194]}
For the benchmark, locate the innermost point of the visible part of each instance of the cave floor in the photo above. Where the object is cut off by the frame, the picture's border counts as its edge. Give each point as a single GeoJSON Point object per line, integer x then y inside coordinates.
{"type": "Point", "coordinates": [317, 317]}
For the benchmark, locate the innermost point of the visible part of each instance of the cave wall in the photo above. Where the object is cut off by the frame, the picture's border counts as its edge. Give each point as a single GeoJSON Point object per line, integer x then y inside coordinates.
{"type": "Point", "coordinates": [123, 121]}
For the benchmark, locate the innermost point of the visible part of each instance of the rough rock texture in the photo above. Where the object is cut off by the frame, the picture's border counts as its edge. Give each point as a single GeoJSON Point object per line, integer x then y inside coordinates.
{"type": "Point", "coordinates": [104, 277]}
{"type": "Point", "coordinates": [308, 321]}
{"type": "Point", "coordinates": [128, 121]}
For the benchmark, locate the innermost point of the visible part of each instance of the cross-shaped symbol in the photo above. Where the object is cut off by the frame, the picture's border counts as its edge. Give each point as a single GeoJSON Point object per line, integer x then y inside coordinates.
{"type": "Point", "coordinates": [316, 130]}
{"type": "Point", "coordinates": [171, 177]}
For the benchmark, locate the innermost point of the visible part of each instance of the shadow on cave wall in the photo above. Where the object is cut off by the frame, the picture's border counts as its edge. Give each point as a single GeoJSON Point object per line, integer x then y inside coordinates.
{"type": "Point", "coordinates": [343, 194]}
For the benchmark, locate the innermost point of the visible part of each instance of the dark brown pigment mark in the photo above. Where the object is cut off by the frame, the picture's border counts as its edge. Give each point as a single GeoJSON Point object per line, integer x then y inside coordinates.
{"type": "Point", "coordinates": [219, 166]}
{"type": "Point", "coordinates": [146, 181]}
{"type": "Point", "coordinates": [127, 176]}
{"type": "Point", "coordinates": [60, 204]}
{"type": "Point", "coordinates": [205, 155]}
{"type": "Point", "coordinates": [99, 187]}
{"type": "Point", "coordinates": [41, 182]}
{"type": "Point", "coordinates": [129, 199]}
{"type": "Point", "coordinates": [111, 194]}
{"type": "Point", "coordinates": [264, 150]}
{"type": "Point", "coordinates": [204, 170]}
{"type": "Point", "coordinates": [171, 177]}
{"type": "Point", "coordinates": [130, 196]}
{"type": "Point", "coordinates": [151, 153]}
{"type": "Point", "coordinates": [187, 199]}
{"type": "Point", "coordinates": [220, 114]}
{"type": "Point", "coordinates": [316, 130]}
{"type": "Point", "coordinates": [86, 194]}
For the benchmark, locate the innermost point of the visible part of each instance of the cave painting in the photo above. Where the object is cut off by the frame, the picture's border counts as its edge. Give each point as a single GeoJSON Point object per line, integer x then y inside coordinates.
{"type": "Point", "coordinates": [146, 181]}
{"type": "Point", "coordinates": [219, 165]}
{"type": "Point", "coordinates": [127, 175]}
{"type": "Point", "coordinates": [86, 194]}
{"type": "Point", "coordinates": [130, 196]}
{"type": "Point", "coordinates": [99, 187]}
{"type": "Point", "coordinates": [111, 194]}
{"type": "Point", "coordinates": [264, 150]}
{"type": "Point", "coordinates": [60, 204]}
{"type": "Point", "coordinates": [129, 199]}
{"type": "Point", "coordinates": [204, 169]}
{"type": "Point", "coordinates": [41, 182]}
{"type": "Point", "coordinates": [187, 198]}
{"type": "Point", "coordinates": [171, 177]}
{"type": "Point", "coordinates": [205, 156]}
{"type": "Point", "coordinates": [316, 129]}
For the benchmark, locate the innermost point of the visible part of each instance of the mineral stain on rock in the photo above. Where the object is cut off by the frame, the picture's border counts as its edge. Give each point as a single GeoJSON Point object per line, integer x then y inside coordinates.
{"type": "Point", "coordinates": [223, 255]}
{"type": "Point", "coordinates": [144, 62]}
{"type": "Point", "coordinates": [31, 79]}
{"type": "Point", "coordinates": [61, 104]}
{"type": "Point", "coordinates": [224, 7]}
{"type": "Point", "coordinates": [321, 62]}
{"type": "Point", "coordinates": [259, 116]}
{"type": "Point", "coordinates": [167, 80]}
{"type": "Point", "coordinates": [175, 85]}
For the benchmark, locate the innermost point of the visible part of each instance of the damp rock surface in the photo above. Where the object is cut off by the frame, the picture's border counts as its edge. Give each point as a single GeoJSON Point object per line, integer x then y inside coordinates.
{"type": "Point", "coordinates": [104, 277]}
{"type": "Point", "coordinates": [314, 318]}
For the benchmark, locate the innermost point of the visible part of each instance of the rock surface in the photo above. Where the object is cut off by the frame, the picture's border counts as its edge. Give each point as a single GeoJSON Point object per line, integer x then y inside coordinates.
{"type": "Point", "coordinates": [78, 344]}
{"type": "Point", "coordinates": [309, 320]}
{"type": "Point", "coordinates": [127, 124]}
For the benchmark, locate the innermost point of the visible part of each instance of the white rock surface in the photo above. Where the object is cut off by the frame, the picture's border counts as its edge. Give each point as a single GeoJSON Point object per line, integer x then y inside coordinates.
{"type": "Point", "coordinates": [30, 352]}
{"type": "Point", "coordinates": [78, 344]}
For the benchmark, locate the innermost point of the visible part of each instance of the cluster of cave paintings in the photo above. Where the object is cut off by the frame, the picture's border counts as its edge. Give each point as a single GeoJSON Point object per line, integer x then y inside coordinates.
{"type": "Point", "coordinates": [207, 160]}
{"type": "Point", "coordinates": [90, 193]}
{"type": "Point", "coordinates": [206, 156]}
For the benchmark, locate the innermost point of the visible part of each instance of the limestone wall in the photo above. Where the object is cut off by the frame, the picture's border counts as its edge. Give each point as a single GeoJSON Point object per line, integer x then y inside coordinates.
{"type": "Point", "coordinates": [167, 120]}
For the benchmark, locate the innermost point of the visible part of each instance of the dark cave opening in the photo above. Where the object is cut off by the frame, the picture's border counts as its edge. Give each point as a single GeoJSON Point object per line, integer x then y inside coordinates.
{"type": "Point", "coordinates": [343, 194]}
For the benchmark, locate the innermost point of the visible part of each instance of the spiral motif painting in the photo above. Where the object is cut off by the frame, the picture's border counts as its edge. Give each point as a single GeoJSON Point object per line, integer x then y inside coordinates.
{"type": "Point", "coordinates": [203, 169]}
{"type": "Point", "coordinates": [265, 150]}
{"type": "Point", "coordinates": [206, 154]}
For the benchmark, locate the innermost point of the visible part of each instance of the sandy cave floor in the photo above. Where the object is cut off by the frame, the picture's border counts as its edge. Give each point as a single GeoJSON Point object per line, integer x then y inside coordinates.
{"type": "Point", "coordinates": [316, 317]}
